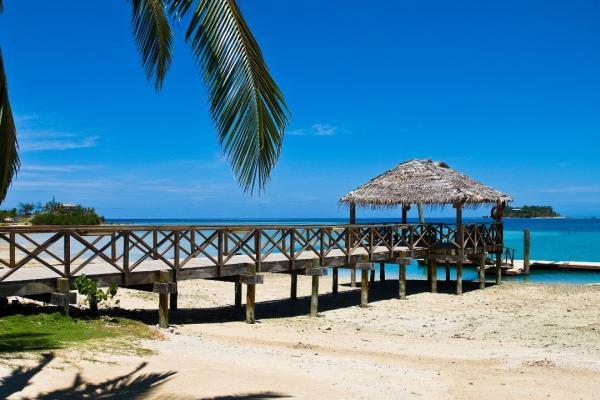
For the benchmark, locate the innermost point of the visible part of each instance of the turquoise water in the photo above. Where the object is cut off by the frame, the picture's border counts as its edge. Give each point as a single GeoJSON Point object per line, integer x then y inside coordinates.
{"type": "Point", "coordinates": [551, 239]}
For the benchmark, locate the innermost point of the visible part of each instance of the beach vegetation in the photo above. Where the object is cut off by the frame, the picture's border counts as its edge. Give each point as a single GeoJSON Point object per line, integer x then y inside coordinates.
{"type": "Point", "coordinates": [94, 295]}
{"type": "Point", "coordinates": [246, 105]}
{"type": "Point", "coordinates": [45, 331]}
{"type": "Point", "coordinates": [530, 212]}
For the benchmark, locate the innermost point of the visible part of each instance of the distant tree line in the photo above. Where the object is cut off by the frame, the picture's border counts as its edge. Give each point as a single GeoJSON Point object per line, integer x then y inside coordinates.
{"type": "Point", "coordinates": [51, 213]}
{"type": "Point", "coordinates": [530, 212]}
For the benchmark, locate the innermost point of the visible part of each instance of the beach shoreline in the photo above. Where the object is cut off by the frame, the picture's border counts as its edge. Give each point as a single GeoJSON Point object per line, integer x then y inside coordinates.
{"type": "Point", "coordinates": [494, 343]}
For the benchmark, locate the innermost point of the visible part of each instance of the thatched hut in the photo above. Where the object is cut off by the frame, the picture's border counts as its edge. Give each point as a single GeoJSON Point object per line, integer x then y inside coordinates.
{"type": "Point", "coordinates": [424, 182]}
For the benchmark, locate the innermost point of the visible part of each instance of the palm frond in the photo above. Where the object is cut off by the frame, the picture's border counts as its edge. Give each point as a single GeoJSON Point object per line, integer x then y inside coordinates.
{"type": "Point", "coordinates": [246, 104]}
{"type": "Point", "coordinates": [9, 158]}
{"type": "Point", "coordinates": [153, 37]}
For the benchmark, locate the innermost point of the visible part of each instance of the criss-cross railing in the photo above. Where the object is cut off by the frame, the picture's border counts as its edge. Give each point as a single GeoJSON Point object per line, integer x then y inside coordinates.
{"type": "Point", "coordinates": [68, 251]}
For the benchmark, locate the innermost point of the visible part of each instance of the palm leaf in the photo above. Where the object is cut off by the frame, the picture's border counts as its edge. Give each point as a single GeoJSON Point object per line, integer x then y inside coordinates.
{"type": "Point", "coordinates": [153, 37]}
{"type": "Point", "coordinates": [9, 158]}
{"type": "Point", "coordinates": [246, 104]}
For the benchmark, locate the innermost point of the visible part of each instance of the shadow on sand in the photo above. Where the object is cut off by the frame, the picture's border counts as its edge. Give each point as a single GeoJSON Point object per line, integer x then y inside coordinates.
{"type": "Point", "coordinates": [379, 291]}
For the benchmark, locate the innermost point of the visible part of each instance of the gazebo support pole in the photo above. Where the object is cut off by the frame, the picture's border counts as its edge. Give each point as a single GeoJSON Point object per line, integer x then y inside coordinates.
{"type": "Point", "coordinates": [352, 222]}
{"type": "Point", "coordinates": [461, 244]}
{"type": "Point", "coordinates": [382, 272]}
{"type": "Point", "coordinates": [447, 271]}
{"type": "Point", "coordinates": [498, 217]}
{"type": "Point", "coordinates": [405, 209]}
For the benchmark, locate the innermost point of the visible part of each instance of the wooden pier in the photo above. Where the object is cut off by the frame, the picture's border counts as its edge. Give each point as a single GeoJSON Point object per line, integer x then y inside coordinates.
{"type": "Point", "coordinates": [38, 261]}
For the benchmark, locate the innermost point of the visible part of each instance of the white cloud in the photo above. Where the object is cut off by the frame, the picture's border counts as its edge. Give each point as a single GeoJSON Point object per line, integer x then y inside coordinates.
{"type": "Point", "coordinates": [324, 130]}
{"type": "Point", "coordinates": [57, 168]}
{"type": "Point", "coordinates": [316, 130]}
{"type": "Point", "coordinates": [46, 140]}
{"type": "Point", "coordinates": [34, 136]}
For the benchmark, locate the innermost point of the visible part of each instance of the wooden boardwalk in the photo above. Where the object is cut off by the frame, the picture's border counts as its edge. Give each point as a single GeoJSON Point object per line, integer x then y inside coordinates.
{"type": "Point", "coordinates": [35, 259]}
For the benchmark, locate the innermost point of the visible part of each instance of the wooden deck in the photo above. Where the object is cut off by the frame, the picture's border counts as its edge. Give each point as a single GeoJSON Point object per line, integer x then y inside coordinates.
{"type": "Point", "coordinates": [34, 259]}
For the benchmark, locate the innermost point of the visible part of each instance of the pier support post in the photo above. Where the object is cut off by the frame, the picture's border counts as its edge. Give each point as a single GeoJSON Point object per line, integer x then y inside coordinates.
{"type": "Point", "coordinates": [314, 296]}
{"type": "Point", "coordinates": [372, 277]}
{"type": "Point", "coordinates": [334, 281]}
{"type": "Point", "coordinates": [432, 266]}
{"type": "Point", "coordinates": [382, 272]}
{"type": "Point", "coordinates": [364, 288]}
{"type": "Point", "coordinates": [482, 271]}
{"type": "Point", "coordinates": [163, 300]}
{"type": "Point", "coordinates": [459, 265]}
{"type": "Point", "coordinates": [251, 296]}
{"type": "Point", "coordinates": [498, 267]}
{"type": "Point", "coordinates": [447, 271]}
{"type": "Point", "coordinates": [238, 294]}
{"type": "Point", "coordinates": [402, 281]}
{"type": "Point", "coordinates": [173, 301]}
{"type": "Point", "coordinates": [63, 287]}
{"type": "Point", "coordinates": [294, 286]}
{"type": "Point", "coordinates": [353, 277]}
{"type": "Point", "coordinates": [526, 250]}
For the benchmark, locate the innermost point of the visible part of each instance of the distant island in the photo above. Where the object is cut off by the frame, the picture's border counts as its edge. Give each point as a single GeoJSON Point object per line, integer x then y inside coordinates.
{"type": "Point", "coordinates": [51, 213]}
{"type": "Point", "coordinates": [530, 212]}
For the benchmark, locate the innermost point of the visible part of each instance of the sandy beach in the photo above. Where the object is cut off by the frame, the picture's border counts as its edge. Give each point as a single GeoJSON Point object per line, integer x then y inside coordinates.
{"type": "Point", "coordinates": [514, 340]}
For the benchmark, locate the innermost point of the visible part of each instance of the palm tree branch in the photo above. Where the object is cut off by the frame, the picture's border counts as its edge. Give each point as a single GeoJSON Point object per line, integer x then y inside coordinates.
{"type": "Point", "coordinates": [9, 157]}
{"type": "Point", "coordinates": [153, 37]}
{"type": "Point", "coordinates": [247, 106]}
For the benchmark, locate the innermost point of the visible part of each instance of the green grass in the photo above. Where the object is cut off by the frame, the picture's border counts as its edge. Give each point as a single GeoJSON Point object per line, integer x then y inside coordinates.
{"type": "Point", "coordinates": [42, 331]}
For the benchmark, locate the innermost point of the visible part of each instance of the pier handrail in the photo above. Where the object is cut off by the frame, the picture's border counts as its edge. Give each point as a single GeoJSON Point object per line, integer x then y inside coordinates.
{"type": "Point", "coordinates": [67, 250]}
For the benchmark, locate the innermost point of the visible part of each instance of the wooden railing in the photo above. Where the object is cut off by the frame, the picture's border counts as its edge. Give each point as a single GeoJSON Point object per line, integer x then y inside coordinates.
{"type": "Point", "coordinates": [67, 250]}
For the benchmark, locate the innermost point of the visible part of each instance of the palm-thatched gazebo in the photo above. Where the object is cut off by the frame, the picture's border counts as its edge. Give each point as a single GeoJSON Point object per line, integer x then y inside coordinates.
{"type": "Point", "coordinates": [427, 182]}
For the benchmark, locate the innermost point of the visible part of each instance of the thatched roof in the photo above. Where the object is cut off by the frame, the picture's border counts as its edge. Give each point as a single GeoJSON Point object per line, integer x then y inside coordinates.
{"type": "Point", "coordinates": [426, 182]}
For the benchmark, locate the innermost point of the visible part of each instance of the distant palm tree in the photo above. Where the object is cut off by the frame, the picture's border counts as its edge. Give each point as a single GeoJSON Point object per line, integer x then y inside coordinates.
{"type": "Point", "coordinates": [246, 105]}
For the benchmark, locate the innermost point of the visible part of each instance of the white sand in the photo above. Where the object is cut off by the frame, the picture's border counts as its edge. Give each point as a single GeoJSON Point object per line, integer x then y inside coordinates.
{"type": "Point", "coordinates": [510, 342]}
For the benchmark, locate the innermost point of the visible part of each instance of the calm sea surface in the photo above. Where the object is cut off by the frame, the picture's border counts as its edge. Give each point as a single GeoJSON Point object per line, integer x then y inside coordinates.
{"type": "Point", "coordinates": [551, 239]}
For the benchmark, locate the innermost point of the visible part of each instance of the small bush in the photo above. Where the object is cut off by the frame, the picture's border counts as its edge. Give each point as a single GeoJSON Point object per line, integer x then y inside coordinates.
{"type": "Point", "coordinates": [94, 296]}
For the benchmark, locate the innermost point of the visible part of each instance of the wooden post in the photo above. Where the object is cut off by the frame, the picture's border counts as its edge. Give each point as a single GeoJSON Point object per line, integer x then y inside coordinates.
{"type": "Point", "coordinates": [447, 271]}
{"type": "Point", "coordinates": [334, 281]}
{"type": "Point", "coordinates": [364, 288]}
{"type": "Point", "coordinates": [314, 297]}
{"type": "Point", "coordinates": [526, 249]}
{"type": "Point", "coordinates": [460, 241]}
{"type": "Point", "coordinates": [12, 249]}
{"type": "Point", "coordinates": [402, 281]}
{"type": "Point", "coordinates": [163, 300]}
{"type": "Point", "coordinates": [482, 271]}
{"type": "Point", "coordinates": [238, 294]}
{"type": "Point", "coordinates": [382, 272]}
{"type": "Point", "coordinates": [432, 264]}
{"type": "Point", "coordinates": [113, 247]}
{"type": "Point", "coordinates": [499, 267]}
{"type": "Point", "coordinates": [154, 244]}
{"type": "Point", "coordinates": [352, 222]}
{"type": "Point", "coordinates": [251, 297]}
{"type": "Point", "coordinates": [67, 254]}
{"type": "Point", "coordinates": [405, 209]}
{"type": "Point", "coordinates": [63, 287]}
{"type": "Point", "coordinates": [372, 277]}
{"type": "Point", "coordinates": [294, 286]}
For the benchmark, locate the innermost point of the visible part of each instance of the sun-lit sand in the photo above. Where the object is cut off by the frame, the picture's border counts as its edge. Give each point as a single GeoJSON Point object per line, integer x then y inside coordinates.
{"type": "Point", "coordinates": [514, 341]}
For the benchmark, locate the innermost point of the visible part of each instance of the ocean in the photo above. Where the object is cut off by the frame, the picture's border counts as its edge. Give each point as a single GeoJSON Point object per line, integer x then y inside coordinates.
{"type": "Point", "coordinates": [556, 239]}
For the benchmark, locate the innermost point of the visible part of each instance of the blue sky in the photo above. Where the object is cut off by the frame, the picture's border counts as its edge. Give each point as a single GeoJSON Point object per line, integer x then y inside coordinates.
{"type": "Point", "coordinates": [507, 92]}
